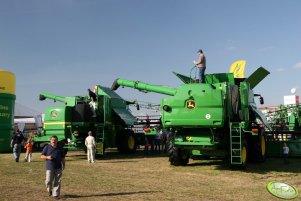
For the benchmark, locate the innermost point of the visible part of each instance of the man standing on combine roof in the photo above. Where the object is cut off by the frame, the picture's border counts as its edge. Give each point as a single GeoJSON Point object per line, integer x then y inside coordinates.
{"type": "Point", "coordinates": [92, 105]}
{"type": "Point", "coordinates": [201, 64]}
{"type": "Point", "coordinates": [92, 95]}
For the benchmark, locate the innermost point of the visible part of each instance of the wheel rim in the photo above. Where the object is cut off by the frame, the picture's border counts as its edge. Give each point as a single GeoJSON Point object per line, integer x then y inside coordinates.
{"type": "Point", "coordinates": [131, 142]}
{"type": "Point", "coordinates": [244, 154]}
{"type": "Point", "coordinates": [262, 145]}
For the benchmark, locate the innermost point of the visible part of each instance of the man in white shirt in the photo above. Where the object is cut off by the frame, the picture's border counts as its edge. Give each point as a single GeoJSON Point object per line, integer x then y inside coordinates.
{"type": "Point", "coordinates": [285, 153]}
{"type": "Point", "coordinates": [91, 147]}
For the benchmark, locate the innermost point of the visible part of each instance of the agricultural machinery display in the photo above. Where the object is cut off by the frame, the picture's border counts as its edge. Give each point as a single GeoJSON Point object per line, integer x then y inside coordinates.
{"type": "Point", "coordinates": [218, 118]}
{"type": "Point", "coordinates": [107, 117]}
{"type": "Point", "coordinates": [286, 123]}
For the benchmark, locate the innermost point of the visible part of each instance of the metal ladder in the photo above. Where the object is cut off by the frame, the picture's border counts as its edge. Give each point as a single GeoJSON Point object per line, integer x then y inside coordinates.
{"type": "Point", "coordinates": [235, 143]}
{"type": "Point", "coordinates": [100, 138]}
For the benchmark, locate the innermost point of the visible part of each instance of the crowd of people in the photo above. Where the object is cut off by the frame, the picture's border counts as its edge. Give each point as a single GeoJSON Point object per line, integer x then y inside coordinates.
{"type": "Point", "coordinates": [156, 143]}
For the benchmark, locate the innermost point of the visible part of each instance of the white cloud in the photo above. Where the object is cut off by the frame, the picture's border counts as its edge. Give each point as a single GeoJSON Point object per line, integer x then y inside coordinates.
{"type": "Point", "coordinates": [297, 65]}
{"type": "Point", "coordinates": [280, 69]}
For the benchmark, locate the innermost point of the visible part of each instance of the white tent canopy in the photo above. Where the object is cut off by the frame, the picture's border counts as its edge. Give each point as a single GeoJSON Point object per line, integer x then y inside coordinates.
{"type": "Point", "coordinates": [22, 111]}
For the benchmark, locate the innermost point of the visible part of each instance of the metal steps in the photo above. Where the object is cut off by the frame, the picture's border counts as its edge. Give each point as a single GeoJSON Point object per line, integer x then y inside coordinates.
{"type": "Point", "coordinates": [235, 143]}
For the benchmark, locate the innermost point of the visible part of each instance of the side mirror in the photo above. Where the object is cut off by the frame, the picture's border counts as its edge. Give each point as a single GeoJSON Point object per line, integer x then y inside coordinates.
{"type": "Point", "coordinates": [261, 100]}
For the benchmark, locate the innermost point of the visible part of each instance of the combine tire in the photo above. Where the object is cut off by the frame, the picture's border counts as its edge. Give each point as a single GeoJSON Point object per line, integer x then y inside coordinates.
{"type": "Point", "coordinates": [177, 156]}
{"type": "Point", "coordinates": [257, 147]}
{"type": "Point", "coordinates": [126, 142]}
{"type": "Point", "coordinates": [235, 103]}
{"type": "Point", "coordinates": [244, 155]}
{"type": "Point", "coordinates": [260, 147]}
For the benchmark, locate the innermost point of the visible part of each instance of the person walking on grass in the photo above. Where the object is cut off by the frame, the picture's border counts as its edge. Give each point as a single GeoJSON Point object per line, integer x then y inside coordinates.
{"type": "Point", "coordinates": [55, 164]}
{"type": "Point", "coordinates": [91, 147]}
{"type": "Point", "coordinates": [16, 143]}
{"type": "Point", "coordinates": [28, 148]}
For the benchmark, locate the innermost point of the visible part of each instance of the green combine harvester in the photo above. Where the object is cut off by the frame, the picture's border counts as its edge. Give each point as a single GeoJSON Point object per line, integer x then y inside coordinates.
{"type": "Point", "coordinates": [110, 121]}
{"type": "Point", "coordinates": [218, 118]}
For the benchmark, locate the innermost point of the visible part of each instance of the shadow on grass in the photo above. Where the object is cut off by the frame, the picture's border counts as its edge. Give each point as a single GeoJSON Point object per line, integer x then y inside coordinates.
{"type": "Point", "coordinates": [113, 156]}
{"type": "Point", "coordinates": [275, 165]}
{"type": "Point", "coordinates": [270, 165]}
{"type": "Point", "coordinates": [108, 194]}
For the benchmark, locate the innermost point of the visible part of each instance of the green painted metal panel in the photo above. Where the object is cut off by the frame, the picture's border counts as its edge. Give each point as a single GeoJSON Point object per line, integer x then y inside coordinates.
{"type": "Point", "coordinates": [219, 78]}
{"type": "Point", "coordinates": [257, 77]}
{"type": "Point", "coordinates": [184, 78]}
{"type": "Point", "coordinates": [7, 106]}
{"type": "Point", "coordinates": [208, 109]}
{"type": "Point", "coordinates": [125, 115]}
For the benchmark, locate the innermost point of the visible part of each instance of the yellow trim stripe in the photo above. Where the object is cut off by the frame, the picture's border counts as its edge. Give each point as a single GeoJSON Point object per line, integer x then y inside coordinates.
{"type": "Point", "coordinates": [56, 123]}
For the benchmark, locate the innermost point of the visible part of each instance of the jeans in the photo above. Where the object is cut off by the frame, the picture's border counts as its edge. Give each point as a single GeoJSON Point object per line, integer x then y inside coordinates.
{"type": "Point", "coordinates": [202, 74]}
{"type": "Point", "coordinates": [53, 181]}
{"type": "Point", "coordinates": [17, 151]}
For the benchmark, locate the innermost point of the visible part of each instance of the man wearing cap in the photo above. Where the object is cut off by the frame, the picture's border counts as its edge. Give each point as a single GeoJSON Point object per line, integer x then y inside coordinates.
{"type": "Point", "coordinates": [201, 64]}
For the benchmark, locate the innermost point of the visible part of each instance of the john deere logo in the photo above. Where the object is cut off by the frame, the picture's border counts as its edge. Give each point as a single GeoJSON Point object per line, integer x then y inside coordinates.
{"type": "Point", "coordinates": [188, 138]}
{"type": "Point", "coordinates": [282, 190]}
{"type": "Point", "coordinates": [53, 113]}
{"type": "Point", "coordinates": [190, 104]}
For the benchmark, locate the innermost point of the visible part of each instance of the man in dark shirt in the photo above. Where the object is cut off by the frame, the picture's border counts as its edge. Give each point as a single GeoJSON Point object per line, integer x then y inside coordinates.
{"type": "Point", "coordinates": [92, 95]}
{"type": "Point", "coordinates": [55, 163]}
{"type": "Point", "coordinates": [16, 143]}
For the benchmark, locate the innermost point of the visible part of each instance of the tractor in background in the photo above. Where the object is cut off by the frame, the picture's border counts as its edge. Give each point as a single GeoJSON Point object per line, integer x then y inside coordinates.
{"type": "Point", "coordinates": [109, 119]}
{"type": "Point", "coordinates": [218, 118]}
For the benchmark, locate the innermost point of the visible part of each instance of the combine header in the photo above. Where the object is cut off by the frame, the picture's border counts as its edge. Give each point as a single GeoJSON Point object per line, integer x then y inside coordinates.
{"type": "Point", "coordinates": [286, 123]}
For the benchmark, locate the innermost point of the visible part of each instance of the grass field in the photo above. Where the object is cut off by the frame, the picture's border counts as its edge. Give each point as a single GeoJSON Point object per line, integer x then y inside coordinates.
{"type": "Point", "coordinates": [134, 177]}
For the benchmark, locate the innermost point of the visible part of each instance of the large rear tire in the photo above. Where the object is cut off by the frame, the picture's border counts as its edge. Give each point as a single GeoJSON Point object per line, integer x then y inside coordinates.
{"type": "Point", "coordinates": [244, 155]}
{"type": "Point", "coordinates": [177, 156]}
{"type": "Point", "coordinates": [260, 147]}
{"type": "Point", "coordinates": [126, 141]}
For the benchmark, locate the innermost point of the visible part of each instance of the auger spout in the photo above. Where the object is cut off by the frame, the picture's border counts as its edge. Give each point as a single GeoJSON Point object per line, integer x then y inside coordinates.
{"type": "Point", "coordinates": [144, 87]}
{"type": "Point", "coordinates": [44, 95]}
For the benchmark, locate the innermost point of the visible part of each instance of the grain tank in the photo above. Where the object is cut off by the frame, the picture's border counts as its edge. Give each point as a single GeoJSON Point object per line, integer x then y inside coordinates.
{"type": "Point", "coordinates": [7, 107]}
{"type": "Point", "coordinates": [218, 118]}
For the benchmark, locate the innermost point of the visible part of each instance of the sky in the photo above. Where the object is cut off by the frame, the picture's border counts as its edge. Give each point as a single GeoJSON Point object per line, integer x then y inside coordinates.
{"type": "Point", "coordinates": [64, 47]}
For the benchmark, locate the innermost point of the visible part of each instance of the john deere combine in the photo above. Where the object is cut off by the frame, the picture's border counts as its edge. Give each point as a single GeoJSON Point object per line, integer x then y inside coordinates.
{"type": "Point", "coordinates": [216, 119]}
{"type": "Point", "coordinates": [109, 119]}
